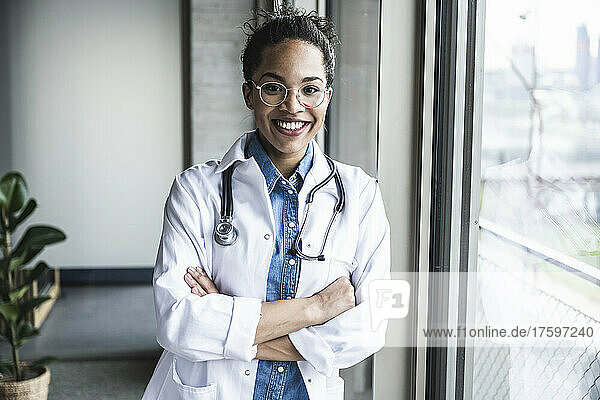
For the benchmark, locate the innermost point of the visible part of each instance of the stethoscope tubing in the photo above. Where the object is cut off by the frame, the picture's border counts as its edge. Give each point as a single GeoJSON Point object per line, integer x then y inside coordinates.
{"type": "Point", "coordinates": [226, 234]}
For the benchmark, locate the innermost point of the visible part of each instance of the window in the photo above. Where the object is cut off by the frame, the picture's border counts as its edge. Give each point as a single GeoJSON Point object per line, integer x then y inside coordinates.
{"type": "Point", "coordinates": [515, 196]}
{"type": "Point", "coordinates": [540, 195]}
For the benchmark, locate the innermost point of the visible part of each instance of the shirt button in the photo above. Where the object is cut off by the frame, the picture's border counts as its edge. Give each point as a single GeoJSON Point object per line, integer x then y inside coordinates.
{"type": "Point", "coordinates": [309, 380]}
{"type": "Point", "coordinates": [267, 236]}
{"type": "Point", "coordinates": [247, 372]}
{"type": "Point", "coordinates": [280, 369]}
{"type": "Point", "coordinates": [291, 261]}
{"type": "Point", "coordinates": [291, 224]}
{"type": "Point", "coordinates": [290, 191]}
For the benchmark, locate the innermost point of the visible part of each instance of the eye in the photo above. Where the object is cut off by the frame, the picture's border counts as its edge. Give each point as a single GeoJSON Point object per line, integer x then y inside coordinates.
{"type": "Point", "coordinates": [311, 90]}
{"type": "Point", "coordinates": [273, 87]}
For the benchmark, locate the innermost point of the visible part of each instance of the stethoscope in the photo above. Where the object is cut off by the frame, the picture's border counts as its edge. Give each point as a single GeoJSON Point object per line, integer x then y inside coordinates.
{"type": "Point", "coordinates": [226, 234]}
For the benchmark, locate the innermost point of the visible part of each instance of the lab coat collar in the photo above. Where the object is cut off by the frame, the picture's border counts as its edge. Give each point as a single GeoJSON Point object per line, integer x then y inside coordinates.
{"type": "Point", "coordinates": [317, 173]}
{"type": "Point", "coordinates": [320, 168]}
{"type": "Point", "coordinates": [235, 153]}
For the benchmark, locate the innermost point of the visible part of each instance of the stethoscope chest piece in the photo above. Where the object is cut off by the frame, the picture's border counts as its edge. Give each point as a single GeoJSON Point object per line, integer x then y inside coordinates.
{"type": "Point", "coordinates": [225, 233]}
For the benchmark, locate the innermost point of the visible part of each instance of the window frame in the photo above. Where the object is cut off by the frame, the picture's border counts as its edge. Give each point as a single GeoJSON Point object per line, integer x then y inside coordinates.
{"type": "Point", "coordinates": [450, 185]}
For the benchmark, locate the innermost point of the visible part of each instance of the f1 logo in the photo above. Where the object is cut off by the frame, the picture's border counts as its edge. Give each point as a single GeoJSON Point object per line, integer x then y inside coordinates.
{"type": "Point", "coordinates": [389, 299]}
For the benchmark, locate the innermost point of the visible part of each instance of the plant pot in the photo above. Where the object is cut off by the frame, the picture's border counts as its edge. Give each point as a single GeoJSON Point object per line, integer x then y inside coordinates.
{"type": "Point", "coordinates": [35, 388]}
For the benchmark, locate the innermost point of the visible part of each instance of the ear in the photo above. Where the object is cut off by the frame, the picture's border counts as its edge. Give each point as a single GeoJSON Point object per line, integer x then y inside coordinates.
{"type": "Point", "coordinates": [329, 95]}
{"type": "Point", "coordinates": [248, 95]}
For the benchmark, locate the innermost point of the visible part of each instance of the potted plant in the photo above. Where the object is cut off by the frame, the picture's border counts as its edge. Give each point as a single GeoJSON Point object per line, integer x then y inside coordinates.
{"type": "Point", "coordinates": [21, 380]}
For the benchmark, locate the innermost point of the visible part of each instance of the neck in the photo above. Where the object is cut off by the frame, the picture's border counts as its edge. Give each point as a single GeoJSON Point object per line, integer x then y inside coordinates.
{"type": "Point", "coordinates": [285, 163]}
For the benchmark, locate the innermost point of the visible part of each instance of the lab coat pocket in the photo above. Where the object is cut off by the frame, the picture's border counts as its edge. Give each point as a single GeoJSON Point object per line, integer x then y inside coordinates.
{"type": "Point", "coordinates": [341, 267]}
{"type": "Point", "coordinates": [313, 277]}
{"type": "Point", "coordinates": [181, 391]}
{"type": "Point", "coordinates": [335, 389]}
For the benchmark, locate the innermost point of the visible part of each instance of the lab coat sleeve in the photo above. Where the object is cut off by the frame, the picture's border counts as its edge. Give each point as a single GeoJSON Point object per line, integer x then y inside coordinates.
{"type": "Point", "coordinates": [348, 338]}
{"type": "Point", "coordinates": [197, 328]}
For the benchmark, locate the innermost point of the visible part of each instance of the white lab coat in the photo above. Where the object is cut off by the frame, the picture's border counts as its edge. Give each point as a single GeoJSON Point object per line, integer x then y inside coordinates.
{"type": "Point", "coordinates": [208, 341]}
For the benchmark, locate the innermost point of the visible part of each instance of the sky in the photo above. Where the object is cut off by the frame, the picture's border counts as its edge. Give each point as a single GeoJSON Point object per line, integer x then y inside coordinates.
{"type": "Point", "coordinates": [550, 24]}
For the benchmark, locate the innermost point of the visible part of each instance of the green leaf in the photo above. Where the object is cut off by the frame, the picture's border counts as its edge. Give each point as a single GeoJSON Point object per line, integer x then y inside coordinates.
{"type": "Point", "coordinates": [35, 239]}
{"type": "Point", "coordinates": [4, 221]}
{"type": "Point", "coordinates": [16, 262]}
{"type": "Point", "coordinates": [29, 208]}
{"type": "Point", "coordinates": [18, 293]}
{"type": "Point", "coordinates": [4, 289]}
{"type": "Point", "coordinates": [4, 263]}
{"type": "Point", "coordinates": [31, 275]}
{"type": "Point", "coordinates": [14, 191]}
{"type": "Point", "coordinates": [32, 303]}
{"type": "Point", "coordinates": [9, 311]}
{"type": "Point", "coordinates": [25, 331]}
{"type": "Point", "coordinates": [11, 295]}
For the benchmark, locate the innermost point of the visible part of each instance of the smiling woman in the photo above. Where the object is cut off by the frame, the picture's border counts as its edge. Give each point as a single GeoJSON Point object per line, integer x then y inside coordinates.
{"type": "Point", "coordinates": [296, 57]}
{"type": "Point", "coordinates": [264, 314]}
{"type": "Point", "coordinates": [286, 128]}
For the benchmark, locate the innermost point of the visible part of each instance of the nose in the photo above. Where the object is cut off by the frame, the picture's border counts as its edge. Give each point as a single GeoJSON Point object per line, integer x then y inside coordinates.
{"type": "Point", "coordinates": [292, 104]}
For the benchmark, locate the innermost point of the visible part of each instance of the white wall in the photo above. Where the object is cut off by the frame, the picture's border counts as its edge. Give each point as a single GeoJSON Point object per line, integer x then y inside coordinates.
{"type": "Point", "coordinates": [5, 139]}
{"type": "Point", "coordinates": [95, 111]}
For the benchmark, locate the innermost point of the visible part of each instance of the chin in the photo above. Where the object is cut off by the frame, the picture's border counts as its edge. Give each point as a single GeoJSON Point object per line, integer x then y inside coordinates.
{"type": "Point", "coordinates": [292, 143]}
{"type": "Point", "coordinates": [290, 148]}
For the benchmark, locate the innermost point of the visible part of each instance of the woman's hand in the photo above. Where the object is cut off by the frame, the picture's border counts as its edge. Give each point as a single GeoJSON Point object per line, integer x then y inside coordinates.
{"type": "Point", "coordinates": [284, 316]}
{"type": "Point", "coordinates": [199, 282]}
{"type": "Point", "coordinates": [335, 299]}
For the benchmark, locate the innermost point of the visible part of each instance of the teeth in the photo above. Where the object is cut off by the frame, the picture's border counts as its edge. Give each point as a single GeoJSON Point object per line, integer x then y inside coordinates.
{"type": "Point", "coordinates": [290, 126]}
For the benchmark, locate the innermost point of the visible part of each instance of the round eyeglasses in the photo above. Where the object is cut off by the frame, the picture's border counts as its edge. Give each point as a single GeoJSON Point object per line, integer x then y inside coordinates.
{"type": "Point", "coordinates": [273, 94]}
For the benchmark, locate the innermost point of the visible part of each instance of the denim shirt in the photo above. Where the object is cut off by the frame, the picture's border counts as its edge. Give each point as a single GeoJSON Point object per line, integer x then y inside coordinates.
{"type": "Point", "coordinates": [281, 380]}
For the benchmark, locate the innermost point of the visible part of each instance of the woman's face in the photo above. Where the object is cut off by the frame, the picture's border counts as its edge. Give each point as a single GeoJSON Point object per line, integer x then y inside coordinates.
{"type": "Point", "coordinates": [293, 63]}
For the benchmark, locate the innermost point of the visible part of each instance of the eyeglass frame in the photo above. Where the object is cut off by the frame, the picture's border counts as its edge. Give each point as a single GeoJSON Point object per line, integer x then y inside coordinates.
{"type": "Point", "coordinates": [259, 88]}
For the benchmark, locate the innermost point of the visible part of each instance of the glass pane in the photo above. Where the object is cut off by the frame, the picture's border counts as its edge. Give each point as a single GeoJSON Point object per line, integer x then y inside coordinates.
{"type": "Point", "coordinates": [540, 196]}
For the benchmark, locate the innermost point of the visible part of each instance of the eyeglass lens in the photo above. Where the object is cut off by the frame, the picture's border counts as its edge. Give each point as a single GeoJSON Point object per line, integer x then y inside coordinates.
{"type": "Point", "coordinates": [274, 93]}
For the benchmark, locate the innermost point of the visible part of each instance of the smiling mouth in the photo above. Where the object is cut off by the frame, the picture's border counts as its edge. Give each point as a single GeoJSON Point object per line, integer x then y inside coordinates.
{"type": "Point", "coordinates": [290, 127]}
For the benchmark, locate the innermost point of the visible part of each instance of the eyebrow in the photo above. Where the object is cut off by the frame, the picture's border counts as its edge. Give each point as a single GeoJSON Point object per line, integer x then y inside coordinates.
{"type": "Point", "coordinates": [280, 78]}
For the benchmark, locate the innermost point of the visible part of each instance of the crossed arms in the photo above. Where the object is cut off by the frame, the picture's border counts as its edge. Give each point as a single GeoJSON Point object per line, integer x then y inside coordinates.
{"type": "Point", "coordinates": [327, 329]}
{"type": "Point", "coordinates": [281, 317]}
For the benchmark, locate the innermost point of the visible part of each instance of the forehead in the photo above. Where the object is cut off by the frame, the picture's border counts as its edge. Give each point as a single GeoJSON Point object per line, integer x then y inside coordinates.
{"type": "Point", "coordinates": [293, 60]}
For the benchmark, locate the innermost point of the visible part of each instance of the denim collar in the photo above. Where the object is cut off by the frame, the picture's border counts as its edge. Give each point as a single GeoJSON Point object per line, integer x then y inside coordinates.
{"type": "Point", "coordinates": [270, 172]}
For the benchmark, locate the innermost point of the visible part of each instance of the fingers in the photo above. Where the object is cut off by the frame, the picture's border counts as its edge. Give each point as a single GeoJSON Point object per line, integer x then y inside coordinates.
{"type": "Point", "coordinates": [198, 290]}
{"type": "Point", "coordinates": [201, 279]}
{"type": "Point", "coordinates": [195, 286]}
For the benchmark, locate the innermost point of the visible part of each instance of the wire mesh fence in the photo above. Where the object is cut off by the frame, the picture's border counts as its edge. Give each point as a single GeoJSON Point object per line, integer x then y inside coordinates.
{"type": "Point", "coordinates": [526, 371]}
